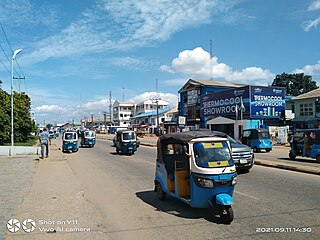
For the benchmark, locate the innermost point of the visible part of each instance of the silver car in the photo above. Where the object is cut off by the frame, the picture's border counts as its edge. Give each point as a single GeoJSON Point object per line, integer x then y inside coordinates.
{"type": "Point", "coordinates": [242, 155]}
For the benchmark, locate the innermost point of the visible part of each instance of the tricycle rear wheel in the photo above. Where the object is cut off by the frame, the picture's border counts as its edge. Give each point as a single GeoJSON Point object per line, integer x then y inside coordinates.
{"type": "Point", "coordinates": [226, 215]}
{"type": "Point", "coordinates": [160, 193]}
{"type": "Point", "coordinates": [292, 156]}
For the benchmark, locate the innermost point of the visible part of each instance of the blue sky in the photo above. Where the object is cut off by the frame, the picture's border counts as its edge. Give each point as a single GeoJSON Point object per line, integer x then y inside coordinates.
{"type": "Point", "coordinates": [76, 52]}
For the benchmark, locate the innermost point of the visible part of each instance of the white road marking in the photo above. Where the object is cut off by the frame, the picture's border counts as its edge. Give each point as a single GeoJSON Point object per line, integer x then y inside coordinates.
{"type": "Point", "coordinates": [246, 195]}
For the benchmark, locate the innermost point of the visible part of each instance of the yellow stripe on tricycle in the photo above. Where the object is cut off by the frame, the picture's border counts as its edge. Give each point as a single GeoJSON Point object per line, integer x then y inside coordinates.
{"type": "Point", "coordinates": [218, 164]}
{"type": "Point", "coordinates": [213, 145]}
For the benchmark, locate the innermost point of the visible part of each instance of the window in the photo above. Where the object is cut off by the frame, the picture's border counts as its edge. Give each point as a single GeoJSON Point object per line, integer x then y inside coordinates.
{"type": "Point", "coordinates": [306, 109]}
{"type": "Point", "coordinates": [173, 149]}
{"type": "Point", "coordinates": [121, 114]}
{"type": "Point", "coordinates": [292, 108]}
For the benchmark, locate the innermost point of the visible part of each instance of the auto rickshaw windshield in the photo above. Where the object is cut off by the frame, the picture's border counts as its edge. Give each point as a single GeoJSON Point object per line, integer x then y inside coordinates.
{"type": "Point", "coordinates": [129, 136]}
{"type": "Point", "coordinates": [212, 154]}
{"type": "Point", "coordinates": [70, 136]}
{"type": "Point", "coordinates": [89, 134]}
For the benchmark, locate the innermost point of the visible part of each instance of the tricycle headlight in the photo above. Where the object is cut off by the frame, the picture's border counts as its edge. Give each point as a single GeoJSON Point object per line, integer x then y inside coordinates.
{"type": "Point", "coordinates": [234, 181]}
{"type": "Point", "coordinates": [203, 182]}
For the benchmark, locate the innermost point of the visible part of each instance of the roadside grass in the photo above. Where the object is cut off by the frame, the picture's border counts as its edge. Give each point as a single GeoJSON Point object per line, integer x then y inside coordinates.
{"type": "Point", "coordinates": [32, 141]}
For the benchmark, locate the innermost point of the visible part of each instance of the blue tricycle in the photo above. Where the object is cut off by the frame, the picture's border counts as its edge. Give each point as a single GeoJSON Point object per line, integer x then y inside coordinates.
{"type": "Point", "coordinates": [70, 142]}
{"type": "Point", "coordinates": [196, 167]}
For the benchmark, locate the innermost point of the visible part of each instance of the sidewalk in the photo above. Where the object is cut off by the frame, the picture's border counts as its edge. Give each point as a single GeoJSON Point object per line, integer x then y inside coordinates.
{"type": "Point", "coordinates": [16, 175]}
{"type": "Point", "coordinates": [56, 204]}
{"type": "Point", "coordinates": [310, 167]}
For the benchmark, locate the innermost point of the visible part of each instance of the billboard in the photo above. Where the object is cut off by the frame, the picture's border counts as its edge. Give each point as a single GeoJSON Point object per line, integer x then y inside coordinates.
{"type": "Point", "coordinates": [267, 102]}
{"type": "Point", "coordinates": [230, 102]}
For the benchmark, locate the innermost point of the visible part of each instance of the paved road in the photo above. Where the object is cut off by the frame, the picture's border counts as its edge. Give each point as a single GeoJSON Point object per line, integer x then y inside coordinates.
{"type": "Point", "coordinates": [121, 189]}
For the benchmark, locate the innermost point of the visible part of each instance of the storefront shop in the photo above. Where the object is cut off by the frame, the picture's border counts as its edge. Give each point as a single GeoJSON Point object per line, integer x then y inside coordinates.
{"type": "Point", "coordinates": [231, 111]}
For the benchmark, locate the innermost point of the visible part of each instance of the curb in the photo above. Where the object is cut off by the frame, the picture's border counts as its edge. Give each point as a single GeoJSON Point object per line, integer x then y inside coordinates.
{"type": "Point", "coordinates": [286, 167]}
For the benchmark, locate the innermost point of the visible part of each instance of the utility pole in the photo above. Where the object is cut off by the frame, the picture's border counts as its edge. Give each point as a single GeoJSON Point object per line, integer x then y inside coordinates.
{"type": "Point", "coordinates": [211, 67]}
{"type": "Point", "coordinates": [105, 119]}
{"type": "Point", "coordinates": [110, 107]}
{"type": "Point", "coordinates": [19, 78]}
{"type": "Point", "coordinates": [156, 99]}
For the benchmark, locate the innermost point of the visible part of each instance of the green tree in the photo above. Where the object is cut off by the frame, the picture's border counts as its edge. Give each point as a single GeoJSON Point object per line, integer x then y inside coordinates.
{"type": "Point", "coordinates": [296, 83]}
{"type": "Point", "coordinates": [22, 122]}
{"type": "Point", "coordinates": [4, 117]}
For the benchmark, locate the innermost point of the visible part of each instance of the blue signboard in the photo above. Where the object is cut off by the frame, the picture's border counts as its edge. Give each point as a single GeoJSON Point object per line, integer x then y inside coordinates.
{"type": "Point", "coordinates": [230, 102]}
{"type": "Point", "coordinates": [267, 102]}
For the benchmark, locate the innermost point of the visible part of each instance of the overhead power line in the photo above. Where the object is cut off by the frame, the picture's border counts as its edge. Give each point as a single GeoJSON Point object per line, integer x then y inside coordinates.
{"type": "Point", "coordinates": [5, 66]}
{"type": "Point", "coordinates": [5, 35]}
{"type": "Point", "coordinates": [8, 59]}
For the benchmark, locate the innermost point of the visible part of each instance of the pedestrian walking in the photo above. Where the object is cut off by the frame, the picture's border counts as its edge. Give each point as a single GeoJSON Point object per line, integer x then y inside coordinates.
{"type": "Point", "coordinates": [44, 140]}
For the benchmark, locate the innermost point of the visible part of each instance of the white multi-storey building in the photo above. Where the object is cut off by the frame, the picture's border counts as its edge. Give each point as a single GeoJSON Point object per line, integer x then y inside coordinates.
{"type": "Point", "coordinates": [122, 112]}
{"type": "Point", "coordinates": [151, 105]}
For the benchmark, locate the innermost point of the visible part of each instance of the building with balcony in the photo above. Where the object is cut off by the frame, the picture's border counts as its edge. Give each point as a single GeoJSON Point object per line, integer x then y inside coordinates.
{"type": "Point", "coordinates": [151, 105]}
{"type": "Point", "coordinates": [122, 112]}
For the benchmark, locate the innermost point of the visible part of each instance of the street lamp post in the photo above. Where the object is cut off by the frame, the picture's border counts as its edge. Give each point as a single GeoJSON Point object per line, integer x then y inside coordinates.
{"type": "Point", "coordinates": [12, 134]}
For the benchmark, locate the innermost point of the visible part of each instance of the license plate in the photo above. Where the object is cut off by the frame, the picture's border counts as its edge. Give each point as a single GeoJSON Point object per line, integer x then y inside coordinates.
{"type": "Point", "coordinates": [90, 142]}
{"type": "Point", "coordinates": [130, 148]}
{"type": "Point", "coordinates": [70, 147]}
{"type": "Point", "coordinates": [243, 161]}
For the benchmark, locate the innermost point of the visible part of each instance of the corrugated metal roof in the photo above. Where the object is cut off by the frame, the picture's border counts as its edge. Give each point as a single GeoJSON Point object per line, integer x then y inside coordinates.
{"type": "Point", "coordinates": [152, 113]}
{"type": "Point", "coordinates": [211, 83]}
{"type": "Point", "coordinates": [312, 94]}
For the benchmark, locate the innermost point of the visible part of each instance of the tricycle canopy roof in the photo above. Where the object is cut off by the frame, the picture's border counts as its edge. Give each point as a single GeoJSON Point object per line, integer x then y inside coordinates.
{"type": "Point", "coordinates": [189, 135]}
{"type": "Point", "coordinates": [183, 138]}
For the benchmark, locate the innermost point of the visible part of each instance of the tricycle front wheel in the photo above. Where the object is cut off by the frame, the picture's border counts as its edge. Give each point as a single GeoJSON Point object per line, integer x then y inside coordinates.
{"type": "Point", "coordinates": [226, 215]}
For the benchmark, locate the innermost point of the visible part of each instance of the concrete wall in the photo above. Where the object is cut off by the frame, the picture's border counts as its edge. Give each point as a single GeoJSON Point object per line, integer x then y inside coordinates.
{"type": "Point", "coordinates": [19, 150]}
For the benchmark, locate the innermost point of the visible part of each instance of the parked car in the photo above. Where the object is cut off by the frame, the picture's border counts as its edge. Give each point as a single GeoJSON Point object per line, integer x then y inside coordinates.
{"type": "Point", "coordinates": [242, 155]}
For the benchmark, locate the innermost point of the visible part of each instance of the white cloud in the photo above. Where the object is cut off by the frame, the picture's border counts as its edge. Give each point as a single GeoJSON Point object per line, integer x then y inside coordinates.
{"type": "Point", "coordinates": [312, 70]}
{"type": "Point", "coordinates": [165, 68]}
{"type": "Point", "coordinates": [49, 109]}
{"type": "Point", "coordinates": [251, 74]}
{"type": "Point", "coordinates": [114, 24]}
{"type": "Point", "coordinates": [315, 5]}
{"type": "Point", "coordinates": [26, 13]}
{"type": "Point", "coordinates": [132, 63]}
{"type": "Point", "coordinates": [169, 97]}
{"type": "Point", "coordinates": [94, 106]}
{"type": "Point", "coordinates": [311, 24]}
{"type": "Point", "coordinates": [198, 64]}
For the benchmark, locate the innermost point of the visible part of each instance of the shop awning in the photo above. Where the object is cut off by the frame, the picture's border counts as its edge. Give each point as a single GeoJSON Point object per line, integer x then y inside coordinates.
{"type": "Point", "coordinates": [220, 120]}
